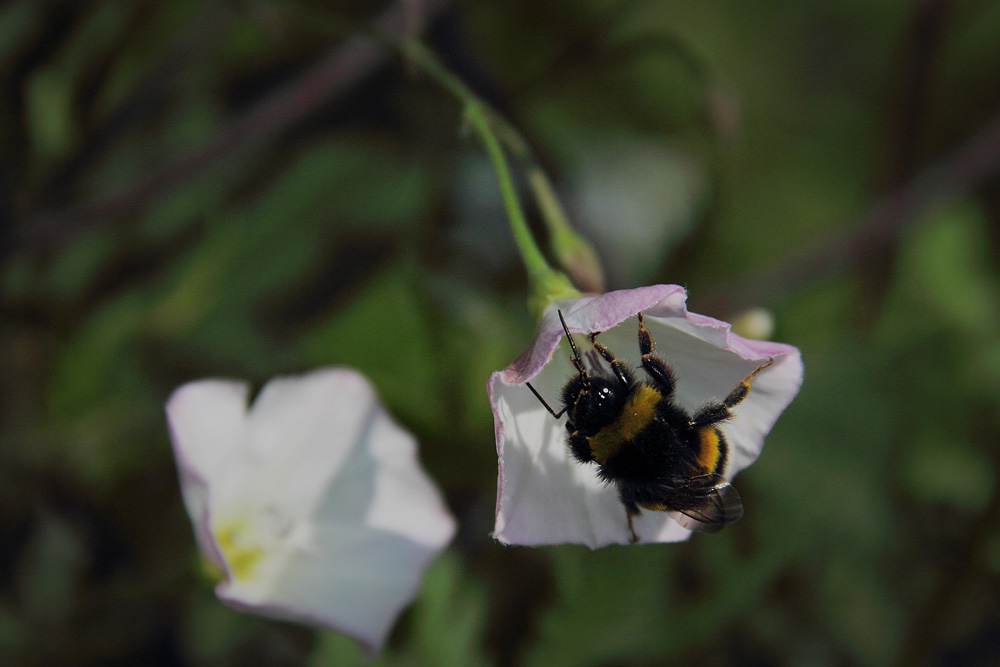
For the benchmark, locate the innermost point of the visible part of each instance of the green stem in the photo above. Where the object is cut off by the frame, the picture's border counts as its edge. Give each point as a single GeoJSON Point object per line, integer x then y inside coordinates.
{"type": "Point", "coordinates": [533, 258]}
{"type": "Point", "coordinates": [423, 58]}
{"type": "Point", "coordinates": [545, 283]}
{"type": "Point", "coordinates": [573, 252]}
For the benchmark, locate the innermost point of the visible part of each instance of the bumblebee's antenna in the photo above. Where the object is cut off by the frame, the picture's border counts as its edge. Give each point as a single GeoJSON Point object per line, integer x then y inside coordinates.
{"type": "Point", "coordinates": [552, 412]}
{"type": "Point", "coordinates": [577, 361]}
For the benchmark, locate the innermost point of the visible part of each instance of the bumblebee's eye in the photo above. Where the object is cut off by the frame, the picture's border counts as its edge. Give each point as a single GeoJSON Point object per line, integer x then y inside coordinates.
{"type": "Point", "coordinates": [604, 395]}
{"type": "Point", "coordinates": [598, 407]}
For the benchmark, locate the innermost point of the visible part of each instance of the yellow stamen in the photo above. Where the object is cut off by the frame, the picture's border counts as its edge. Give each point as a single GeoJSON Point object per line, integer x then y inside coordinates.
{"type": "Point", "coordinates": [241, 558]}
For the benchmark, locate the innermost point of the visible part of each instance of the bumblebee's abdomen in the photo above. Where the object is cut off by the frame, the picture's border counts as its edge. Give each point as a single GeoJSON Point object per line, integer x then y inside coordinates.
{"type": "Point", "coordinates": [638, 413]}
{"type": "Point", "coordinates": [712, 449]}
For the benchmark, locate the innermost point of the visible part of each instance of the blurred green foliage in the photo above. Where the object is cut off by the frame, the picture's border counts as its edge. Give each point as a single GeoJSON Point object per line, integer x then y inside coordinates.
{"type": "Point", "coordinates": [142, 249]}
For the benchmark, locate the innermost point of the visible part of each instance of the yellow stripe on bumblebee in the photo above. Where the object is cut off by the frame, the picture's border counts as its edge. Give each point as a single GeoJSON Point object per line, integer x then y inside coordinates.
{"type": "Point", "coordinates": [638, 413]}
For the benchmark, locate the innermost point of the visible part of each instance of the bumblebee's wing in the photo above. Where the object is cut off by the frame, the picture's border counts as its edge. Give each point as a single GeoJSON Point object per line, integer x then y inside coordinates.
{"type": "Point", "coordinates": [716, 507]}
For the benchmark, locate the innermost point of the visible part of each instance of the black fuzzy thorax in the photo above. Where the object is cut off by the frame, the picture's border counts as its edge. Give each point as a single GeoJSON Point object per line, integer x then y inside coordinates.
{"type": "Point", "coordinates": [667, 448]}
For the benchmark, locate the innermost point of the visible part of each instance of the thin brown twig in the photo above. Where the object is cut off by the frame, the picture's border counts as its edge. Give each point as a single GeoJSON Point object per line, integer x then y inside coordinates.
{"type": "Point", "coordinates": [331, 76]}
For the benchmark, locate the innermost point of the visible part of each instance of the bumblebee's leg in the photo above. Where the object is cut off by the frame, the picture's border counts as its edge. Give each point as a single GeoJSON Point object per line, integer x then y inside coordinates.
{"type": "Point", "coordinates": [579, 447]}
{"type": "Point", "coordinates": [717, 412]}
{"type": "Point", "coordinates": [657, 369]}
{"type": "Point", "coordinates": [619, 368]}
{"type": "Point", "coordinates": [631, 511]}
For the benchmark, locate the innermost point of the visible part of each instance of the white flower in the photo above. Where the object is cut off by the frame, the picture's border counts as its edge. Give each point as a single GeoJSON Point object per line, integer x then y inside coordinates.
{"type": "Point", "coordinates": [544, 496]}
{"type": "Point", "coordinates": [311, 501]}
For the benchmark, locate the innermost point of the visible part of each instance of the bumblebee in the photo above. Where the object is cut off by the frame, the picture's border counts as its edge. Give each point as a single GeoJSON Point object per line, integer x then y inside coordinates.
{"type": "Point", "coordinates": [657, 456]}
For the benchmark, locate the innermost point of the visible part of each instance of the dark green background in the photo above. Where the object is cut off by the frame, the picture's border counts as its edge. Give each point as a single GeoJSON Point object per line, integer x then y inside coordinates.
{"type": "Point", "coordinates": [141, 248]}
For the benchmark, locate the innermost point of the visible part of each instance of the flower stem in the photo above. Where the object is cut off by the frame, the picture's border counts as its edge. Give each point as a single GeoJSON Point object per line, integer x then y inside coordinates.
{"type": "Point", "coordinates": [573, 252]}
{"type": "Point", "coordinates": [545, 284]}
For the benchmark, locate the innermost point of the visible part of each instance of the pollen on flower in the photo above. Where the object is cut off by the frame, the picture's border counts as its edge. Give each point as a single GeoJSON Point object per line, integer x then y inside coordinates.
{"type": "Point", "coordinates": [241, 558]}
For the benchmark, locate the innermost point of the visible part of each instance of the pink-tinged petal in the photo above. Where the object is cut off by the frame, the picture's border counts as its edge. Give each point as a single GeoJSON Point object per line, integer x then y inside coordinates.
{"type": "Point", "coordinates": [546, 497]}
{"type": "Point", "coordinates": [320, 512]}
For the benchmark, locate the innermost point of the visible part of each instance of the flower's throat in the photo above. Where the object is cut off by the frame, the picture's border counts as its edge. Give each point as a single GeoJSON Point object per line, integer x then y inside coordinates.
{"type": "Point", "coordinates": [241, 557]}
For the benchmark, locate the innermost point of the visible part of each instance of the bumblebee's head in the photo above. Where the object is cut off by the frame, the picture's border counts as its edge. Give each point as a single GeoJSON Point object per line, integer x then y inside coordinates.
{"type": "Point", "coordinates": [591, 403]}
